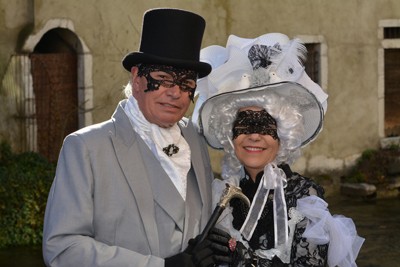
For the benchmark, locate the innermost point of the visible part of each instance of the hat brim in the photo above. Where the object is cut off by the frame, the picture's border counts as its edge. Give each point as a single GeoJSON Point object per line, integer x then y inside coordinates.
{"type": "Point", "coordinates": [294, 93]}
{"type": "Point", "coordinates": [134, 58]}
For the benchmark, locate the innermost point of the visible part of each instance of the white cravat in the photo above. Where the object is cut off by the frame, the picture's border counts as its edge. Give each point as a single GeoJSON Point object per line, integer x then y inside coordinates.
{"type": "Point", "coordinates": [177, 165]}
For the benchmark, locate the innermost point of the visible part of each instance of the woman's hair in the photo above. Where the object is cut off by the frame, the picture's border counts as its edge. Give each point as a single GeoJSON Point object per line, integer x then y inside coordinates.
{"type": "Point", "coordinates": [289, 121]}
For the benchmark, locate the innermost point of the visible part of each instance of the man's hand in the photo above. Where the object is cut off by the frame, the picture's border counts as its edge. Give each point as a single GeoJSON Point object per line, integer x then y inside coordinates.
{"type": "Point", "coordinates": [213, 250]}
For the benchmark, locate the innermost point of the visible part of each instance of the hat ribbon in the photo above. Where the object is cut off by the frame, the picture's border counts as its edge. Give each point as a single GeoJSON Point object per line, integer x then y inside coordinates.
{"type": "Point", "coordinates": [273, 178]}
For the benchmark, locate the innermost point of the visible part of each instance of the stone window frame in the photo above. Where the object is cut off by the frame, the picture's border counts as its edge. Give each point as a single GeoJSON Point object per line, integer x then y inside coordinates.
{"type": "Point", "coordinates": [323, 65]}
{"type": "Point", "coordinates": [385, 44]}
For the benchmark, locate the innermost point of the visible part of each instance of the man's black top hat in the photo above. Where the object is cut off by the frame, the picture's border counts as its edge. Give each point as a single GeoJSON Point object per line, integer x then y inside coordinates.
{"type": "Point", "coordinates": [170, 37]}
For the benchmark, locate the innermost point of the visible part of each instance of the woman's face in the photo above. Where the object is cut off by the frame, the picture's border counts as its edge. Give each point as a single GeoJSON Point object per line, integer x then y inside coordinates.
{"type": "Point", "coordinates": [255, 148]}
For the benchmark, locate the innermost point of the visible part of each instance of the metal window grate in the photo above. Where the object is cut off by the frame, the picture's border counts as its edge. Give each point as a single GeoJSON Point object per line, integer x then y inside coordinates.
{"type": "Point", "coordinates": [391, 32]}
{"type": "Point", "coordinates": [392, 92]}
{"type": "Point", "coordinates": [312, 65]}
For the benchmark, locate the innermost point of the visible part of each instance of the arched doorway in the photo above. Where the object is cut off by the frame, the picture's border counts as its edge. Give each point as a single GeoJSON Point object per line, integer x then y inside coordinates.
{"type": "Point", "coordinates": [55, 85]}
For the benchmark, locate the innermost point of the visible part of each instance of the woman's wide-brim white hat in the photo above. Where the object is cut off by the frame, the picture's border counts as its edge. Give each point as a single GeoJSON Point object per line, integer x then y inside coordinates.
{"type": "Point", "coordinates": [295, 94]}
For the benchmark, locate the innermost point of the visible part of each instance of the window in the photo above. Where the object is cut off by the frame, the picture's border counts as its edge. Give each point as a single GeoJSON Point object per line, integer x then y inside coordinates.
{"type": "Point", "coordinates": [313, 63]}
{"type": "Point", "coordinates": [392, 91]}
{"type": "Point", "coordinates": [391, 32]}
{"type": "Point", "coordinates": [391, 81]}
{"type": "Point", "coordinates": [316, 65]}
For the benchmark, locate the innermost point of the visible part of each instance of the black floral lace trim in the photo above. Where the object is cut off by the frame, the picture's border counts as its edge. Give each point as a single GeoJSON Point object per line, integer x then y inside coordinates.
{"type": "Point", "coordinates": [260, 55]}
{"type": "Point", "coordinates": [303, 253]}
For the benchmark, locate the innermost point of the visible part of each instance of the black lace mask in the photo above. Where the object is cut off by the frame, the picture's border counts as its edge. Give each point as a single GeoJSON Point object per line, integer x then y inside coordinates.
{"type": "Point", "coordinates": [251, 121]}
{"type": "Point", "coordinates": [185, 79]}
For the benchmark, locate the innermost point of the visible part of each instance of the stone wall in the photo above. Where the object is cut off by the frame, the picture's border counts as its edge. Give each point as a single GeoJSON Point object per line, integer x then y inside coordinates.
{"type": "Point", "coordinates": [348, 29]}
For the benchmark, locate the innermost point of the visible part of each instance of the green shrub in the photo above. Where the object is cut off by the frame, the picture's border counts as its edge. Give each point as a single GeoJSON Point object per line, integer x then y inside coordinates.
{"type": "Point", "coordinates": [25, 181]}
{"type": "Point", "coordinates": [373, 166]}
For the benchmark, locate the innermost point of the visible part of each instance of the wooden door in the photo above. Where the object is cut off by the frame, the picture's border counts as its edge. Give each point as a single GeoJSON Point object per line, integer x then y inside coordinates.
{"type": "Point", "coordinates": [56, 99]}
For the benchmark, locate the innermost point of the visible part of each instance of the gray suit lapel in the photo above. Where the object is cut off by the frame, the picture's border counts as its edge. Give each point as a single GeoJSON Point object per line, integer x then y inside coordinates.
{"type": "Point", "coordinates": [164, 191]}
{"type": "Point", "coordinates": [155, 180]}
{"type": "Point", "coordinates": [125, 146]}
{"type": "Point", "coordinates": [202, 177]}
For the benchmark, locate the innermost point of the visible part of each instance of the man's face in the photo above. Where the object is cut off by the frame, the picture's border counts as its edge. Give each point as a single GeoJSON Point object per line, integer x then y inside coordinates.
{"type": "Point", "coordinates": [163, 95]}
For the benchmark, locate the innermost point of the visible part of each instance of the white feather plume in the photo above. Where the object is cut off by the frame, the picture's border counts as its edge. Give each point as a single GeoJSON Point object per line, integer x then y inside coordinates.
{"type": "Point", "coordinates": [288, 64]}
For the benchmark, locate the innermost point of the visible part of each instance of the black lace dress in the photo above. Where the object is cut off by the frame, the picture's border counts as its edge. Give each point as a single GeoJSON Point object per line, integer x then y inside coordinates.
{"type": "Point", "coordinates": [303, 253]}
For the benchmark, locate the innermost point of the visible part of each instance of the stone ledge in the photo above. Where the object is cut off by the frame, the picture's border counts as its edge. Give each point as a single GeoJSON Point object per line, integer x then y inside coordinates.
{"type": "Point", "coordinates": [358, 190]}
{"type": "Point", "coordinates": [390, 141]}
{"type": "Point", "coordinates": [365, 190]}
{"type": "Point", "coordinates": [394, 184]}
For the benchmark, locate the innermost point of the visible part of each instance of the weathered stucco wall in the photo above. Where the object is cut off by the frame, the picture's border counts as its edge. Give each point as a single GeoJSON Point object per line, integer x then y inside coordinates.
{"type": "Point", "coordinates": [16, 18]}
{"type": "Point", "coordinates": [349, 28]}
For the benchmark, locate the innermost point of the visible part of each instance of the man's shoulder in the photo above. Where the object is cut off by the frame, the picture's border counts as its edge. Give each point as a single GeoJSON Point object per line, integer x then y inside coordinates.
{"type": "Point", "coordinates": [104, 127]}
{"type": "Point", "coordinates": [96, 128]}
{"type": "Point", "coordinates": [91, 135]}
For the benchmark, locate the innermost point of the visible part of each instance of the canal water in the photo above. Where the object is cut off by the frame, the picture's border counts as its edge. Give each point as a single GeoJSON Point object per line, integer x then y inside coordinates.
{"type": "Point", "coordinates": [378, 221]}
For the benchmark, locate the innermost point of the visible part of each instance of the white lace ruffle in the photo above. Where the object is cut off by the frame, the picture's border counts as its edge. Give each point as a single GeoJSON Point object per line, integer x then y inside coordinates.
{"type": "Point", "coordinates": [337, 230]}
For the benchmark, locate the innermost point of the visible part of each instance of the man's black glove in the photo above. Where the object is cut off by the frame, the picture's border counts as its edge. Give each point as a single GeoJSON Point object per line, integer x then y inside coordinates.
{"type": "Point", "coordinates": [183, 259]}
{"type": "Point", "coordinates": [213, 250]}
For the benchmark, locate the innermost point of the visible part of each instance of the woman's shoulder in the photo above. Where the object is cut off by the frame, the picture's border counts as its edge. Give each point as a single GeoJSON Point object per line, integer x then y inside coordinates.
{"type": "Point", "coordinates": [302, 186]}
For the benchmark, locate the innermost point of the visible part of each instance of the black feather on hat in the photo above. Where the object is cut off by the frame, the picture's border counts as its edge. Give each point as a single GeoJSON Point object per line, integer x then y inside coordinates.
{"type": "Point", "coordinates": [170, 37]}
